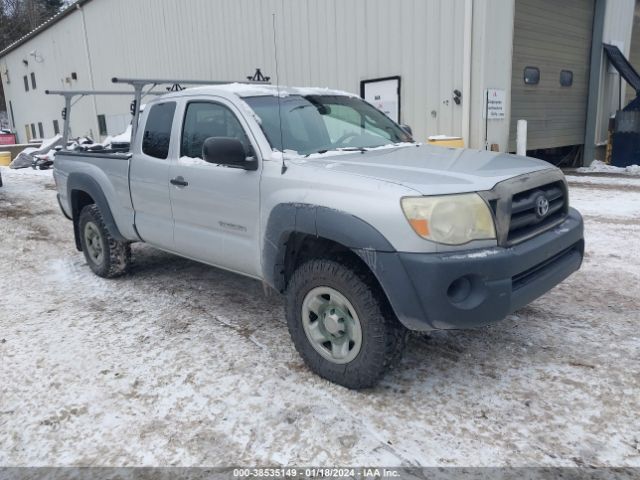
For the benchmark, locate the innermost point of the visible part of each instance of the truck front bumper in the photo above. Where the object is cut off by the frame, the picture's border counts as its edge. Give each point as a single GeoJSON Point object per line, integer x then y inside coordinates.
{"type": "Point", "coordinates": [474, 288]}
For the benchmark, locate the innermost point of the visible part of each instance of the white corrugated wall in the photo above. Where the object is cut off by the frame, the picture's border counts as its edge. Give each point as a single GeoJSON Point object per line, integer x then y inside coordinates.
{"type": "Point", "coordinates": [333, 43]}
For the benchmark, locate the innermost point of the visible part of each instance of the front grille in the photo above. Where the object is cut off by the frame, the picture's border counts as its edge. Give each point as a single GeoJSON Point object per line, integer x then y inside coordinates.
{"type": "Point", "coordinates": [526, 216]}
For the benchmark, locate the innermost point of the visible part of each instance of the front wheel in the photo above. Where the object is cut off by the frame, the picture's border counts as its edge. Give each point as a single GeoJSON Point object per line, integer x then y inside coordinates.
{"type": "Point", "coordinates": [341, 324]}
{"type": "Point", "coordinates": [106, 256]}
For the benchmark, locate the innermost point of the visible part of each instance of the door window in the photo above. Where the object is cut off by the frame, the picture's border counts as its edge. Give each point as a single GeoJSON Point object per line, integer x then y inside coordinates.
{"type": "Point", "coordinates": [157, 131]}
{"type": "Point", "coordinates": [206, 119]}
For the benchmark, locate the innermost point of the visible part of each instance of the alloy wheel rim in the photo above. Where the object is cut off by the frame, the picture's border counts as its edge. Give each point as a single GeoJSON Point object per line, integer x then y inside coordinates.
{"type": "Point", "coordinates": [332, 325]}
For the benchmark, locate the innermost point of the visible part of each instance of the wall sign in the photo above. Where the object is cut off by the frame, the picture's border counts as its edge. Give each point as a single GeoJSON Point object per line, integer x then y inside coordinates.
{"type": "Point", "coordinates": [384, 94]}
{"type": "Point", "coordinates": [495, 104]}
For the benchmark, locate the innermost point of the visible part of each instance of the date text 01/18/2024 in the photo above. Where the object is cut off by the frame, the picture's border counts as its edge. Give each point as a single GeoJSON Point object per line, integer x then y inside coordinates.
{"type": "Point", "coordinates": [315, 473]}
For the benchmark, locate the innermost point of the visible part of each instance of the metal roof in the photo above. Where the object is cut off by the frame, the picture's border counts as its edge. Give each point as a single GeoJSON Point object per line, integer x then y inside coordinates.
{"type": "Point", "coordinates": [41, 28]}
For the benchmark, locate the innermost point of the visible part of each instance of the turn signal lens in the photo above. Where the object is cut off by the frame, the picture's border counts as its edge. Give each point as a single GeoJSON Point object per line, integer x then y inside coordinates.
{"type": "Point", "coordinates": [421, 226]}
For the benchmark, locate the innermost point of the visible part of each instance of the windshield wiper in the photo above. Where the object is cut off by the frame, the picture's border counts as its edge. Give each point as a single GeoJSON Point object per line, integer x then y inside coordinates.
{"type": "Point", "coordinates": [353, 149]}
{"type": "Point", "coordinates": [321, 152]}
{"type": "Point", "coordinates": [338, 149]}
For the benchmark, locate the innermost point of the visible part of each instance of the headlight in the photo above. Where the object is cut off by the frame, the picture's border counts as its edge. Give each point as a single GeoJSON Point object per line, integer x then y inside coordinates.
{"type": "Point", "coordinates": [450, 219]}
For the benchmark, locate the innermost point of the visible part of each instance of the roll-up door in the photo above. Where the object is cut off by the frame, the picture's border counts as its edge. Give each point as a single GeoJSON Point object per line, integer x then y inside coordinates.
{"type": "Point", "coordinates": [550, 82]}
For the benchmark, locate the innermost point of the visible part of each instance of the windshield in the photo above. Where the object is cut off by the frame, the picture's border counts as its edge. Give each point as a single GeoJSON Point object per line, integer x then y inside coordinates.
{"type": "Point", "coordinates": [319, 123]}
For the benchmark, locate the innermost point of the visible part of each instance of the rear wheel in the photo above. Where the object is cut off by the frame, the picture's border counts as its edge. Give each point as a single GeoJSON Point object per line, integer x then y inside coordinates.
{"type": "Point", "coordinates": [341, 324]}
{"type": "Point", "coordinates": [106, 256]}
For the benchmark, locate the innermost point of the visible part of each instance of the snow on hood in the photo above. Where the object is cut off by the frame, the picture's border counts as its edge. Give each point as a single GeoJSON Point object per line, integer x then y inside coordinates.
{"type": "Point", "coordinates": [428, 169]}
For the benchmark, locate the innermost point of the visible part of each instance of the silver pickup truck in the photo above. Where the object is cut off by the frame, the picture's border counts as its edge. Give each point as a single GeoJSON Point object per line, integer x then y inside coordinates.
{"type": "Point", "coordinates": [314, 192]}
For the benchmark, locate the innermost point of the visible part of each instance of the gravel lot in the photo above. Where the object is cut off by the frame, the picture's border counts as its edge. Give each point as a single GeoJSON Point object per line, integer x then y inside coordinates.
{"type": "Point", "coordinates": [183, 364]}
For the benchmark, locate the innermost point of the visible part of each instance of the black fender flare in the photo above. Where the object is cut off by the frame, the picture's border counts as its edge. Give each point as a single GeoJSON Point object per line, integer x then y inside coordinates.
{"type": "Point", "coordinates": [331, 224]}
{"type": "Point", "coordinates": [352, 232]}
{"type": "Point", "coordinates": [81, 182]}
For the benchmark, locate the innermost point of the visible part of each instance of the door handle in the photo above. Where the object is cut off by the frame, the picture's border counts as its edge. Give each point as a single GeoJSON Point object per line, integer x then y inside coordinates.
{"type": "Point", "coordinates": [179, 181]}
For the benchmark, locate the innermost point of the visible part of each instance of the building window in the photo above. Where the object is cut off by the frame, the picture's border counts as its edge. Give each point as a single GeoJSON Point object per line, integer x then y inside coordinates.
{"type": "Point", "coordinates": [56, 127]}
{"type": "Point", "coordinates": [566, 78]}
{"type": "Point", "coordinates": [33, 131]}
{"type": "Point", "coordinates": [157, 131]}
{"type": "Point", "coordinates": [102, 124]}
{"type": "Point", "coordinates": [33, 80]}
{"type": "Point", "coordinates": [28, 132]}
{"type": "Point", "coordinates": [26, 84]}
{"type": "Point", "coordinates": [531, 75]}
{"type": "Point", "coordinates": [40, 129]}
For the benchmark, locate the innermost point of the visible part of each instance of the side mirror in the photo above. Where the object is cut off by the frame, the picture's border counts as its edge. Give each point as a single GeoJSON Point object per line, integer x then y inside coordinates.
{"type": "Point", "coordinates": [227, 151]}
{"type": "Point", "coordinates": [407, 129]}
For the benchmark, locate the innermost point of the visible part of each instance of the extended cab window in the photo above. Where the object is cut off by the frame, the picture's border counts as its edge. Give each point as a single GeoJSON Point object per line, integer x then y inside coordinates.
{"type": "Point", "coordinates": [206, 119]}
{"type": "Point", "coordinates": [157, 131]}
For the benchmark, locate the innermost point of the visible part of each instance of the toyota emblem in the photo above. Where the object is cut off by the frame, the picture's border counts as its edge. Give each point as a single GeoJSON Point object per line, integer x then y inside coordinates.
{"type": "Point", "coordinates": [542, 206]}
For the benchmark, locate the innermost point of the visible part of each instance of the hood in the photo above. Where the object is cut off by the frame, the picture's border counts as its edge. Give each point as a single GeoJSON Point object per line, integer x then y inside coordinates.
{"type": "Point", "coordinates": [430, 170]}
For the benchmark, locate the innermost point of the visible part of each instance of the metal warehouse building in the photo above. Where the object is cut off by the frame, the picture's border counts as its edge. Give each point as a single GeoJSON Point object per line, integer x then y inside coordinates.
{"type": "Point", "coordinates": [431, 64]}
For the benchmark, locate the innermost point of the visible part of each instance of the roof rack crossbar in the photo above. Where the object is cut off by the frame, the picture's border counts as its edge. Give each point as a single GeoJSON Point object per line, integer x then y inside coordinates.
{"type": "Point", "coordinates": [139, 84]}
{"type": "Point", "coordinates": [74, 93]}
{"type": "Point", "coordinates": [164, 81]}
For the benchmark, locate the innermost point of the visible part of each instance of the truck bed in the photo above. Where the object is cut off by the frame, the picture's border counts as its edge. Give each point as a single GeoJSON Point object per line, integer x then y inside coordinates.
{"type": "Point", "coordinates": [109, 171]}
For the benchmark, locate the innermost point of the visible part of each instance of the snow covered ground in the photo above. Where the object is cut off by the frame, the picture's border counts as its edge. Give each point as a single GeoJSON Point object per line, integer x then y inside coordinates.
{"type": "Point", "coordinates": [183, 364]}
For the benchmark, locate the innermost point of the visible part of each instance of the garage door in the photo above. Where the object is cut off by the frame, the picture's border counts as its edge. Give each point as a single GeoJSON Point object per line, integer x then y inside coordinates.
{"type": "Point", "coordinates": [550, 83]}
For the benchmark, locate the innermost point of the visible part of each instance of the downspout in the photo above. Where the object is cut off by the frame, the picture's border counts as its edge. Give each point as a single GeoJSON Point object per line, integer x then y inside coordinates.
{"type": "Point", "coordinates": [89, 64]}
{"type": "Point", "coordinates": [595, 69]}
{"type": "Point", "coordinates": [466, 72]}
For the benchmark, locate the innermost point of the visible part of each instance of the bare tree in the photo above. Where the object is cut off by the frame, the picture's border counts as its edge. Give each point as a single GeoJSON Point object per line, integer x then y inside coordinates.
{"type": "Point", "coordinates": [19, 17]}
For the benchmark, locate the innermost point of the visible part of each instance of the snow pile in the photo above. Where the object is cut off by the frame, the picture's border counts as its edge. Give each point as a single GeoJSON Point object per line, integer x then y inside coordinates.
{"type": "Point", "coordinates": [25, 158]}
{"type": "Point", "coordinates": [600, 167]}
{"type": "Point", "coordinates": [124, 137]}
{"type": "Point", "coordinates": [80, 143]}
{"type": "Point", "coordinates": [50, 155]}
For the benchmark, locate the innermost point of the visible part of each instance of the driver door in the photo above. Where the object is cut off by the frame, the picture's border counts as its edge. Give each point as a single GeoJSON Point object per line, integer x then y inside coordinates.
{"type": "Point", "coordinates": [215, 208]}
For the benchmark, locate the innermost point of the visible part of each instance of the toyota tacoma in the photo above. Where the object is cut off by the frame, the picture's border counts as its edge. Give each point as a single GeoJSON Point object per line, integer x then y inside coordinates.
{"type": "Point", "coordinates": [316, 193]}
